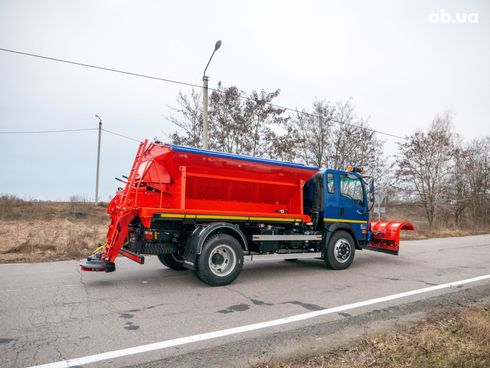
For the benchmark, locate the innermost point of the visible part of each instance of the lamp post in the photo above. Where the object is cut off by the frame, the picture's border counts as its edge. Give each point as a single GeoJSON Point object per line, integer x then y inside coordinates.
{"type": "Point", "coordinates": [205, 80]}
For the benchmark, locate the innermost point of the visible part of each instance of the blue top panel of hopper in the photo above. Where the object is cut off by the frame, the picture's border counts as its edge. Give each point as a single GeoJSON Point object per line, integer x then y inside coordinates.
{"type": "Point", "coordinates": [239, 157]}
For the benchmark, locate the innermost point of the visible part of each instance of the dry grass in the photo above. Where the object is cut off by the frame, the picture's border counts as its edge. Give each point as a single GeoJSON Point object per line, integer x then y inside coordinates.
{"type": "Point", "coordinates": [14, 209]}
{"type": "Point", "coordinates": [420, 234]}
{"type": "Point", "coordinates": [46, 231]}
{"type": "Point", "coordinates": [448, 338]}
{"type": "Point", "coordinates": [415, 214]}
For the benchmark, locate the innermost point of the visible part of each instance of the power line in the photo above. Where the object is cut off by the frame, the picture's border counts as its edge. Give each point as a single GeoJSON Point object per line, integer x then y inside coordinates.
{"type": "Point", "coordinates": [101, 68]}
{"type": "Point", "coordinates": [120, 135]}
{"type": "Point", "coordinates": [335, 121]}
{"type": "Point", "coordinates": [140, 75]}
{"type": "Point", "coordinates": [69, 131]}
{"type": "Point", "coordinates": [48, 131]}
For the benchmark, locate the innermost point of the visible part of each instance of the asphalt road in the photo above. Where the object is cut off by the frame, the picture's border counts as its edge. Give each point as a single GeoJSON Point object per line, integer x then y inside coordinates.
{"type": "Point", "coordinates": [51, 312]}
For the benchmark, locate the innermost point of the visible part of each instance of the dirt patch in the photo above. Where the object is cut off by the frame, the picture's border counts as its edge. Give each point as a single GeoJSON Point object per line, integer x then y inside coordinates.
{"type": "Point", "coordinates": [456, 337]}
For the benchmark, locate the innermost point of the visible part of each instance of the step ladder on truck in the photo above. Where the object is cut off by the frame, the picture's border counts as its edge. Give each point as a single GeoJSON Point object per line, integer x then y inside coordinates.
{"type": "Point", "coordinates": [206, 211]}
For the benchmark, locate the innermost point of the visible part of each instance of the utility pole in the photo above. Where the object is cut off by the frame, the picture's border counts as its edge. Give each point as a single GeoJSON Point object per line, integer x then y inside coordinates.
{"type": "Point", "coordinates": [98, 161]}
{"type": "Point", "coordinates": [205, 127]}
{"type": "Point", "coordinates": [205, 80]}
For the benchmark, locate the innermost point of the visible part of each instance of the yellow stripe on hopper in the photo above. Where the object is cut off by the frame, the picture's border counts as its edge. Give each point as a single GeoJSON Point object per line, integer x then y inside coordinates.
{"type": "Point", "coordinates": [172, 215]}
{"type": "Point", "coordinates": [274, 219]}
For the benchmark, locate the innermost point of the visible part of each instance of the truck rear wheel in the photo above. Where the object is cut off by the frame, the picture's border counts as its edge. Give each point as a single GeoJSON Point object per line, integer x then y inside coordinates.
{"type": "Point", "coordinates": [220, 261]}
{"type": "Point", "coordinates": [340, 250]}
{"type": "Point", "coordinates": [174, 261]}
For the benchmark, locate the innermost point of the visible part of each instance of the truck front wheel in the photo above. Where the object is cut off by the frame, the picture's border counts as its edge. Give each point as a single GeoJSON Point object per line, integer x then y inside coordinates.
{"type": "Point", "coordinates": [340, 250]}
{"type": "Point", "coordinates": [220, 261]}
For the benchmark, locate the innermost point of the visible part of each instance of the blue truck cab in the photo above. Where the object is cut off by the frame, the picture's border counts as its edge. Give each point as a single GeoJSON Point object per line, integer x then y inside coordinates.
{"type": "Point", "coordinates": [346, 203]}
{"type": "Point", "coordinates": [338, 202]}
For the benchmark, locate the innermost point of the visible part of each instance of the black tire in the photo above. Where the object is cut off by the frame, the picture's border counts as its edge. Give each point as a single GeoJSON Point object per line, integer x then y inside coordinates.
{"type": "Point", "coordinates": [173, 261]}
{"type": "Point", "coordinates": [340, 250]}
{"type": "Point", "coordinates": [220, 261]}
{"type": "Point", "coordinates": [291, 260]}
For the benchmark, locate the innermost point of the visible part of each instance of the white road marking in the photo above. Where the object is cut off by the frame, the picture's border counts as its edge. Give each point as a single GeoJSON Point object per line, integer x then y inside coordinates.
{"type": "Point", "coordinates": [252, 327]}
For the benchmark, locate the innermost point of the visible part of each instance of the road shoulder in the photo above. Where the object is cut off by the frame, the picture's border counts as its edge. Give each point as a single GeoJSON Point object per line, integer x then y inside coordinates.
{"type": "Point", "coordinates": [311, 340]}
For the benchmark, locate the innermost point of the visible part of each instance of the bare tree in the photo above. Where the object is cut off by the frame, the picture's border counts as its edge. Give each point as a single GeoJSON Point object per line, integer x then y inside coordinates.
{"type": "Point", "coordinates": [331, 135]}
{"type": "Point", "coordinates": [285, 143]}
{"type": "Point", "coordinates": [238, 123]}
{"type": "Point", "coordinates": [227, 124]}
{"type": "Point", "coordinates": [424, 164]}
{"type": "Point", "coordinates": [354, 143]}
{"type": "Point", "coordinates": [458, 188]}
{"type": "Point", "coordinates": [262, 118]}
{"type": "Point", "coordinates": [313, 133]}
{"type": "Point", "coordinates": [477, 175]}
{"type": "Point", "coordinates": [190, 120]}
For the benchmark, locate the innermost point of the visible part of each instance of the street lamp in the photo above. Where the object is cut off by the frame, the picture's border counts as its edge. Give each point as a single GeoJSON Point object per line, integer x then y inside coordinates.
{"type": "Point", "coordinates": [205, 80]}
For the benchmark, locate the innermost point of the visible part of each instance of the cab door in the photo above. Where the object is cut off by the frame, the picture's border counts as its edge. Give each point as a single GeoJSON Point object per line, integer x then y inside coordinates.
{"type": "Point", "coordinates": [353, 206]}
{"type": "Point", "coordinates": [331, 196]}
{"type": "Point", "coordinates": [346, 202]}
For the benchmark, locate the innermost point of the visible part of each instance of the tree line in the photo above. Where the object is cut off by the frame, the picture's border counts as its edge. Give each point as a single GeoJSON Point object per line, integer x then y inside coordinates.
{"type": "Point", "coordinates": [449, 176]}
{"type": "Point", "coordinates": [436, 168]}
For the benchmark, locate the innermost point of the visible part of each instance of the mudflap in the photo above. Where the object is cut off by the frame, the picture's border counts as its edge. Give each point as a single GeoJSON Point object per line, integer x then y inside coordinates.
{"type": "Point", "coordinates": [138, 258]}
{"type": "Point", "coordinates": [385, 236]}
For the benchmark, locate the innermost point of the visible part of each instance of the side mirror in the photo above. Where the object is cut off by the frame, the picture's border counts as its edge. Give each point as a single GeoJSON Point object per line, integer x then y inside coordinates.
{"type": "Point", "coordinates": [371, 191]}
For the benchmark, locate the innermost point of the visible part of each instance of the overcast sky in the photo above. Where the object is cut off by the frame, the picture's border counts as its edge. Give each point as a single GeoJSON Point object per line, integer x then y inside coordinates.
{"type": "Point", "coordinates": [399, 68]}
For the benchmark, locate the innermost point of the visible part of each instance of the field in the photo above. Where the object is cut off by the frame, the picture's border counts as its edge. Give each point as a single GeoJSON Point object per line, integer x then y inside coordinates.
{"type": "Point", "coordinates": [37, 231]}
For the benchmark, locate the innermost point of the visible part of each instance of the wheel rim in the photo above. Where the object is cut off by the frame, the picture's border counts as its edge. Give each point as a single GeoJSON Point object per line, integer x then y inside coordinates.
{"type": "Point", "coordinates": [222, 260]}
{"type": "Point", "coordinates": [177, 257]}
{"type": "Point", "coordinates": [342, 250]}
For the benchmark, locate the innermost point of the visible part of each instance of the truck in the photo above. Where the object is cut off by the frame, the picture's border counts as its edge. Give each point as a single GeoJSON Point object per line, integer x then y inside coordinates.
{"type": "Point", "coordinates": [207, 211]}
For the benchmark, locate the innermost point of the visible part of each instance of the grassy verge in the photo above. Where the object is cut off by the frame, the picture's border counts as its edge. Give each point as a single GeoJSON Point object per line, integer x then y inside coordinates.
{"type": "Point", "coordinates": [457, 337]}
{"type": "Point", "coordinates": [415, 214]}
{"type": "Point", "coordinates": [32, 231]}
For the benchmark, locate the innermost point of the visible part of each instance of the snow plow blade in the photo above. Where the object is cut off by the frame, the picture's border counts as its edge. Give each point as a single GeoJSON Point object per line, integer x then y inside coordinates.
{"type": "Point", "coordinates": [385, 236]}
